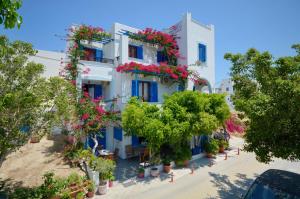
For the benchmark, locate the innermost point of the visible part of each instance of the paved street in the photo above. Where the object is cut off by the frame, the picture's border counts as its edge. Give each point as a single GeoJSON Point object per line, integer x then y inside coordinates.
{"type": "Point", "coordinates": [225, 179]}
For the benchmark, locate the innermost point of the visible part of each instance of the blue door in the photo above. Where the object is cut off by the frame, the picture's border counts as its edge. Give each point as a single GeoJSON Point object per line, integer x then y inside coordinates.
{"type": "Point", "coordinates": [135, 141]}
{"type": "Point", "coordinates": [101, 140]}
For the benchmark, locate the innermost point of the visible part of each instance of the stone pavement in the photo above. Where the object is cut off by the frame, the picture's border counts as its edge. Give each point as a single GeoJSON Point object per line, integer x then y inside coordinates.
{"type": "Point", "coordinates": [132, 183]}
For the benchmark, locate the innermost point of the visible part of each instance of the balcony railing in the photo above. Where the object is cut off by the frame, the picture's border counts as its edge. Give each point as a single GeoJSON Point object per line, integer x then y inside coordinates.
{"type": "Point", "coordinates": [101, 60]}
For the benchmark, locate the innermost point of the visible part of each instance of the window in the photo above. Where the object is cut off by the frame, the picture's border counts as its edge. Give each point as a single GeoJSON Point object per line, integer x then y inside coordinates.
{"type": "Point", "coordinates": [161, 57]}
{"type": "Point", "coordinates": [135, 51]}
{"type": "Point", "coordinates": [90, 54]}
{"type": "Point", "coordinates": [144, 91]}
{"type": "Point", "coordinates": [132, 51]}
{"type": "Point", "coordinates": [227, 88]}
{"type": "Point", "coordinates": [202, 53]}
{"type": "Point", "coordinates": [118, 134]}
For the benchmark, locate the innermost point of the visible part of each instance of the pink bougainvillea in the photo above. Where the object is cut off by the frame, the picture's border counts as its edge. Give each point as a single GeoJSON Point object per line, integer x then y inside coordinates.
{"type": "Point", "coordinates": [165, 41]}
{"type": "Point", "coordinates": [174, 72]}
{"type": "Point", "coordinates": [234, 124]}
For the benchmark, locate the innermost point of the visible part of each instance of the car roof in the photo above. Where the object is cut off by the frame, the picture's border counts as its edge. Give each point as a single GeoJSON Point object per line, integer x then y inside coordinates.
{"type": "Point", "coordinates": [281, 180]}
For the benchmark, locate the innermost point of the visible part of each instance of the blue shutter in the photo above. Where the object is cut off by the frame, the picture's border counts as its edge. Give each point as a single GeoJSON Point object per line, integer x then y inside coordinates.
{"type": "Point", "coordinates": [159, 56]}
{"type": "Point", "coordinates": [135, 88]}
{"type": "Point", "coordinates": [139, 52]}
{"type": "Point", "coordinates": [118, 134]}
{"type": "Point", "coordinates": [202, 53]}
{"type": "Point", "coordinates": [97, 91]}
{"type": "Point", "coordinates": [99, 55]}
{"type": "Point", "coordinates": [180, 87]}
{"type": "Point", "coordinates": [153, 92]}
{"type": "Point", "coordinates": [102, 138]}
{"type": "Point", "coordinates": [134, 140]}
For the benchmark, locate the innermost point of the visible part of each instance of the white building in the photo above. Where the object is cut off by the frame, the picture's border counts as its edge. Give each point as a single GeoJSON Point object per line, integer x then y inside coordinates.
{"type": "Point", "coordinates": [51, 60]}
{"type": "Point", "coordinates": [196, 45]}
{"type": "Point", "coordinates": [226, 87]}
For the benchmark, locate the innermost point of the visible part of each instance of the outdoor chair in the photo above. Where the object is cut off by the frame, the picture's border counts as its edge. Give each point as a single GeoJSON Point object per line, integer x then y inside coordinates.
{"type": "Point", "coordinates": [129, 151]}
{"type": "Point", "coordinates": [145, 155]}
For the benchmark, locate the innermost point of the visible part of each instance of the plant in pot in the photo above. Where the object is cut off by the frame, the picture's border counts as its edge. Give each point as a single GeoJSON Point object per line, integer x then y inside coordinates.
{"type": "Point", "coordinates": [90, 190]}
{"type": "Point", "coordinates": [182, 156]}
{"type": "Point", "coordinates": [223, 144]}
{"type": "Point", "coordinates": [155, 160]}
{"type": "Point", "coordinates": [111, 179]}
{"type": "Point", "coordinates": [167, 164]}
{"type": "Point", "coordinates": [80, 195]}
{"type": "Point", "coordinates": [141, 172]}
{"type": "Point", "coordinates": [105, 167]}
{"type": "Point", "coordinates": [211, 148]}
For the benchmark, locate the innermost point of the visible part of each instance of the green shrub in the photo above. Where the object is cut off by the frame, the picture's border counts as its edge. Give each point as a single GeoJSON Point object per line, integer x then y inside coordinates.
{"type": "Point", "coordinates": [211, 146]}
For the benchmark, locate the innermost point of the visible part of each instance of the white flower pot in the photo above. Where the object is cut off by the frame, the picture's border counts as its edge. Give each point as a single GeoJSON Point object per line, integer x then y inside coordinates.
{"type": "Point", "coordinates": [102, 189]}
{"type": "Point", "coordinates": [154, 172]}
{"type": "Point", "coordinates": [93, 175]}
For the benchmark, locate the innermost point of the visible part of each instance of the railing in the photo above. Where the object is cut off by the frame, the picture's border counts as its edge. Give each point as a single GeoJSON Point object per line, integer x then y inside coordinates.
{"type": "Point", "coordinates": [101, 60]}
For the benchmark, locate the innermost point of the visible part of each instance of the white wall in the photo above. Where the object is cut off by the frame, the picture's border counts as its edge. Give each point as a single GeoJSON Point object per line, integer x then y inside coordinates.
{"type": "Point", "coordinates": [51, 60]}
{"type": "Point", "coordinates": [191, 33]}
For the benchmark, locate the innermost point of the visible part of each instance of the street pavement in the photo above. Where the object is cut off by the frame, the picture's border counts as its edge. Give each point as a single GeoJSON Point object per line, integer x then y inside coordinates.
{"type": "Point", "coordinates": [220, 178]}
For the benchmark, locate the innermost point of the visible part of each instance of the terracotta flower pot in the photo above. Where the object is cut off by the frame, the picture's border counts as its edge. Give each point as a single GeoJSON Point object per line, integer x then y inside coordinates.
{"type": "Point", "coordinates": [110, 183]}
{"type": "Point", "coordinates": [71, 139]}
{"type": "Point", "coordinates": [186, 163]}
{"type": "Point", "coordinates": [141, 175]}
{"type": "Point", "coordinates": [90, 194]}
{"type": "Point", "coordinates": [34, 139]}
{"type": "Point", "coordinates": [221, 149]}
{"type": "Point", "coordinates": [167, 168]}
{"type": "Point", "coordinates": [209, 155]}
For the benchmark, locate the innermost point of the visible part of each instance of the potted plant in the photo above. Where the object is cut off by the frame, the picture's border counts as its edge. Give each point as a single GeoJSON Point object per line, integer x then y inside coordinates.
{"type": "Point", "coordinates": [91, 190]}
{"type": "Point", "coordinates": [155, 160]}
{"type": "Point", "coordinates": [141, 172]}
{"type": "Point", "coordinates": [211, 148]}
{"type": "Point", "coordinates": [105, 167]}
{"type": "Point", "coordinates": [35, 138]}
{"type": "Point", "coordinates": [80, 195]}
{"type": "Point", "coordinates": [167, 165]}
{"type": "Point", "coordinates": [183, 155]}
{"type": "Point", "coordinates": [111, 179]}
{"type": "Point", "coordinates": [223, 144]}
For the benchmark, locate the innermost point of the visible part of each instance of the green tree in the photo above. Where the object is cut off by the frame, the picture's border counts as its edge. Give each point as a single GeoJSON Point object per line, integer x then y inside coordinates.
{"type": "Point", "coordinates": [8, 13]}
{"type": "Point", "coordinates": [182, 115]}
{"type": "Point", "coordinates": [28, 103]}
{"type": "Point", "coordinates": [268, 91]}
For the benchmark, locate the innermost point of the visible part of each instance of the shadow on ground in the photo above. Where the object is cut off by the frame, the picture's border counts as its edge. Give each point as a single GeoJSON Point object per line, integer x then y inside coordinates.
{"type": "Point", "coordinates": [230, 189]}
{"type": "Point", "coordinates": [7, 186]}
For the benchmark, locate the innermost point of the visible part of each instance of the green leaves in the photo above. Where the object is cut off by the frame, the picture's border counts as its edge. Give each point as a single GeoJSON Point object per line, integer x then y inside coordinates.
{"type": "Point", "coordinates": [27, 99]}
{"type": "Point", "coordinates": [268, 91]}
{"type": "Point", "coordinates": [182, 115]}
{"type": "Point", "coordinates": [8, 13]}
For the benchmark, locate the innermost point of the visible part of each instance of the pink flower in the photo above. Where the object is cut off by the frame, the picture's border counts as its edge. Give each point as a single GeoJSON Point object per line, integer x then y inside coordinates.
{"type": "Point", "coordinates": [85, 116]}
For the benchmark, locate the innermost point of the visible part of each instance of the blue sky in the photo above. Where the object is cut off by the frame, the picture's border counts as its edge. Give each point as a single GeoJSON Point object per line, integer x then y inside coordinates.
{"type": "Point", "coordinates": [272, 25]}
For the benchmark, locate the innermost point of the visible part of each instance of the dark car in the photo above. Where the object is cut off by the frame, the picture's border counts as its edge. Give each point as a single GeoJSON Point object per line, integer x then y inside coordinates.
{"type": "Point", "coordinates": [273, 184]}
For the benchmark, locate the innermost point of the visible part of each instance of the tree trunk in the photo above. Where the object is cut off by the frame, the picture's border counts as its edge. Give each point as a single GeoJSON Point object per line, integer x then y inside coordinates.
{"type": "Point", "coordinates": [96, 143]}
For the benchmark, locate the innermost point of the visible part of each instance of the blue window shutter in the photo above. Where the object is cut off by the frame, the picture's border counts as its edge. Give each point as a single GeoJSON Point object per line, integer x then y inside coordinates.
{"type": "Point", "coordinates": [97, 91]}
{"type": "Point", "coordinates": [118, 134]}
{"type": "Point", "coordinates": [159, 56]}
{"type": "Point", "coordinates": [140, 52]}
{"type": "Point", "coordinates": [135, 88]}
{"type": "Point", "coordinates": [134, 140]}
{"type": "Point", "coordinates": [180, 87]}
{"type": "Point", "coordinates": [102, 138]}
{"type": "Point", "coordinates": [99, 55]}
{"type": "Point", "coordinates": [153, 92]}
{"type": "Point", "coordinates": [202, 53]}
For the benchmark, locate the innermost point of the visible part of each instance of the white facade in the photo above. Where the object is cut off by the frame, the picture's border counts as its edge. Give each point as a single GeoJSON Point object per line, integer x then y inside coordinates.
{"type": "Point", "coordinates": [226, 87]}
{"type": "Point", "coordinates": [189, 34]}
{"type": "Point", "coordinates": [51, 60]}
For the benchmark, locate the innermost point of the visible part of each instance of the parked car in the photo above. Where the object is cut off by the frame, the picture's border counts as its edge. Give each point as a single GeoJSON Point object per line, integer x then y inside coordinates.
{"type": "Point", "coordinates": [273, 184]}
